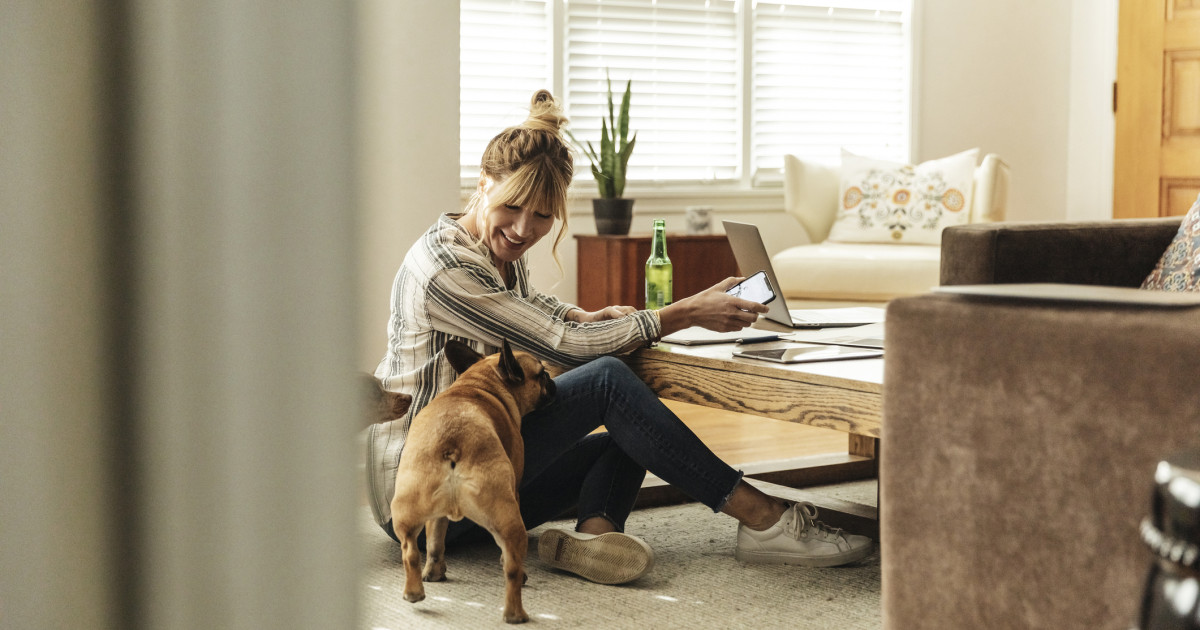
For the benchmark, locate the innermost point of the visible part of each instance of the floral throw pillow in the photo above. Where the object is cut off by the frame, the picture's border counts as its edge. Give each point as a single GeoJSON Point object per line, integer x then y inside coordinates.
{"type": "Point", "coordinates": [1179, 267]}
{"type": "Point", "coordinates": [887, 202]}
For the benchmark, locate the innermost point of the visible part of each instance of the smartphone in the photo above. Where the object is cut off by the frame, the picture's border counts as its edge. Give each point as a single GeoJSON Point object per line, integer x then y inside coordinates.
{"type": "Point", "coordinates": [809, 353]}
{"type": "Point", "coordinates": [756, 288]}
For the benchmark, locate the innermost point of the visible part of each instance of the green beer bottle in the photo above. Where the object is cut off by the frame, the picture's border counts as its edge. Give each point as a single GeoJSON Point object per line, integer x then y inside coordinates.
{"type": "Point", "coordinates": [658, 269]}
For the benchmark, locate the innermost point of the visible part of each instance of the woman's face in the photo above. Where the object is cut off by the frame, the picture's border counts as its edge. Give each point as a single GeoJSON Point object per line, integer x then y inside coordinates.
{"type": "Point", "coordinates": [510, 231]}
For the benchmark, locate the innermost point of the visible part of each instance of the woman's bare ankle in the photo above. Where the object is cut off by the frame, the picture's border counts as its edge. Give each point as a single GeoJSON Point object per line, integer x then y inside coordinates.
{"type": "Point", "coordinates": [754, 508]}
{"type": "Point", "coordinates": [596, 525]}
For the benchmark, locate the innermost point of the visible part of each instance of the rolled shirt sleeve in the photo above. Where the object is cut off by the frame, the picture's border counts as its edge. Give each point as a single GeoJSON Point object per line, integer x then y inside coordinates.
{"type": "Point", "coordinates": [467, 301]}
{"type": "Point", "coordinates": [552, 305]}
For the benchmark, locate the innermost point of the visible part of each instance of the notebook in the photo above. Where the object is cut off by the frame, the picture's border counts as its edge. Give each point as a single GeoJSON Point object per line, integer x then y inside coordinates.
{"type": "Point", "coordinates": [869, 336]}
{"type": "Point", "coordinates": [751, 256]}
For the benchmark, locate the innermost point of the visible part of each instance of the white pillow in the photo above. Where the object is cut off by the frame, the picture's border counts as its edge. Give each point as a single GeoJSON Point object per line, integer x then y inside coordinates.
{"type": "Point", "coordinates": [888, 202]}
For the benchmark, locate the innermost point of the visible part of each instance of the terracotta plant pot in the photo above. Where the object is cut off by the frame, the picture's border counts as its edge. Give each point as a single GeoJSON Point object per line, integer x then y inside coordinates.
{"type": "Point", "coordinates": [612, 215]}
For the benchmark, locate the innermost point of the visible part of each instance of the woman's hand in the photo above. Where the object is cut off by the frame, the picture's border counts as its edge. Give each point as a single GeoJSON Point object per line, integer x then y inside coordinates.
{"type": "Point", "coordinates": [608, 312]}
{"type": "Point", "coordinates": [713, 309]}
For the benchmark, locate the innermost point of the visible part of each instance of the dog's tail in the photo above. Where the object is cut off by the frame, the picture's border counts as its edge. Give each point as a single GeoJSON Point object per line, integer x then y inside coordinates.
{"type": "Point", "coordinates": [452, 454]}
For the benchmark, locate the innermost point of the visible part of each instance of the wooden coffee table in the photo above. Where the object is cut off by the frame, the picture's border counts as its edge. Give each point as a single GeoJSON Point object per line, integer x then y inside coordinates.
{"type": "Point", "coordinates": [841, 395]}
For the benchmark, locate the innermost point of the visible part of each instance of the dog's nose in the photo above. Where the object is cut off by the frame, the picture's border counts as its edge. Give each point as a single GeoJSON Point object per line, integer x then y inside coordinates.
{"type": "Point", "coordinates": [548, 392]}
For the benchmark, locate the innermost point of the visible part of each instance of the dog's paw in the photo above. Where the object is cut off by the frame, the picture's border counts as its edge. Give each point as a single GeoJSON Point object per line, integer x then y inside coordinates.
{"type": "Point", "coordinates": [516, 616]}
{"type": "Point", "coordinates": [414, 596]}
{"type": "Point", "coordinates": [434, 573]}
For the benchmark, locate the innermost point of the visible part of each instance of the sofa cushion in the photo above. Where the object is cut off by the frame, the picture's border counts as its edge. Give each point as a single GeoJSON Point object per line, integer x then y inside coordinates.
{"type": "Point", "coordinates": [1179, 267]}
{"type": "Point", "coordinates": [859, 271]}
{"type": "Point", "coordinates": [810, 193]}
{"type": "Point", "coordinates": [887, 202]}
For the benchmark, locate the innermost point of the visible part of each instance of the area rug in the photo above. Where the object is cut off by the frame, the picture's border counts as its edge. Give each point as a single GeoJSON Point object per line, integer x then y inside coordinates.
{"type": "Point", "coordinates": [696, 582]}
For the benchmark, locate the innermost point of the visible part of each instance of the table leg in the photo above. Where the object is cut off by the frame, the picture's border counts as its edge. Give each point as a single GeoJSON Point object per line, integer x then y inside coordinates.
{"type": "Point", "coordinates": [863, 445]}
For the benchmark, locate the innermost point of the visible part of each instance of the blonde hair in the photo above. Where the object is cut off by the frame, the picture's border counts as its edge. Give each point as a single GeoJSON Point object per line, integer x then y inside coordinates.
{"type": "Point", "coordinates": [534, 163]}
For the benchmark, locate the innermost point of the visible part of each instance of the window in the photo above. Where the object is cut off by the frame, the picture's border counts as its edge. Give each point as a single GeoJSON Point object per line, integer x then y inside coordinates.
{"type": "Point", "coordinates": [682, 56]}
{"type": "Point", "coordinates": [504, 57]}
{"type": "Point", "coordinates": [722, 89]}
{"type": "Point", "coordinates": [827, 77]}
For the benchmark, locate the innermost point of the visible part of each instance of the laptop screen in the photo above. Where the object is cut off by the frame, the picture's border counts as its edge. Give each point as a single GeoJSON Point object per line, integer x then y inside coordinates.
{"type": "Point", "coordinates": [751, 256]}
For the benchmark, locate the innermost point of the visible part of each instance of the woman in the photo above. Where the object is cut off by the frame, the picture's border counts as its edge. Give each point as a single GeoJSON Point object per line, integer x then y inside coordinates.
{"type": "Point", "coordinates": [466, 279]}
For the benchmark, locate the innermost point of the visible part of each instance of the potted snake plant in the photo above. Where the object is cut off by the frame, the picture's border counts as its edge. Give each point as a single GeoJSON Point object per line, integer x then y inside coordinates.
{"type": "Point", "coordinates": [612, 211]}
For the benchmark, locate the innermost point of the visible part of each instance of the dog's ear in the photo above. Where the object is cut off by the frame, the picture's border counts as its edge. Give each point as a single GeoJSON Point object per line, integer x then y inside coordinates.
{"type": "Point", "coordinates": [510, 368]}
{"type": "Point", "coordinates": [460, 355]}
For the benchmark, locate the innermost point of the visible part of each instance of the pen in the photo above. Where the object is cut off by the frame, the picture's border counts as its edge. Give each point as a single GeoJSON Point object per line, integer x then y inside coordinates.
{"type": "Point", "coordinates": [750, 340]}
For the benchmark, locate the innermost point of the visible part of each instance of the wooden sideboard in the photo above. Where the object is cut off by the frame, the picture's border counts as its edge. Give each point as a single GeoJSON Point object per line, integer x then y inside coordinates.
{"type": "Point", "coordinates": [612, 269]}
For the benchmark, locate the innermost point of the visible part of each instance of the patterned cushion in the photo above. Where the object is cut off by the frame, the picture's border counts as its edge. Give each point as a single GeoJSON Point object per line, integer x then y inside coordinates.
{"type": "Point", "coordinates": [1179, 267]}
{"type": "Point", "coordinates": [887, 202]}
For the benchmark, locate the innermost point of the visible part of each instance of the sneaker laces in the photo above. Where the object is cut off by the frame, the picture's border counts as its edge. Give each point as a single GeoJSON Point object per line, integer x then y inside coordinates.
{"type": "Point", "coordinates": [805, 519]}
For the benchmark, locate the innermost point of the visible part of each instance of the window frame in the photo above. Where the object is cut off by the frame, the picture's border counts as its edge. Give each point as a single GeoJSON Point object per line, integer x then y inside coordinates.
{"type": "Point", "coordinates": [752, 188]}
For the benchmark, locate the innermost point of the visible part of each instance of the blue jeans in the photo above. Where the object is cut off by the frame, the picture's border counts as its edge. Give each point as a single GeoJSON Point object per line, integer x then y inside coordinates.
{"type": "Point", "coordinates": [600, 474]}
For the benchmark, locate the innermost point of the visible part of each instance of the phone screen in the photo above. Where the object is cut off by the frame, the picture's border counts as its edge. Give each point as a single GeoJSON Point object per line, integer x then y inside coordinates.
{"type": "Point", "coordinates": [756, 288]}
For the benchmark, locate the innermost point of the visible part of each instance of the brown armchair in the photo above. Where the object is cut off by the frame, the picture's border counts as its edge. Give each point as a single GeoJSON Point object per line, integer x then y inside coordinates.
{"type": "Point", "coordinates": [1020, 438]}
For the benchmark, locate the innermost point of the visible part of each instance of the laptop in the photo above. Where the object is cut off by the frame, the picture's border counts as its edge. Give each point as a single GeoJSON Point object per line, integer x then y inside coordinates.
{"type": "Point", "coordinates": [752, 256]}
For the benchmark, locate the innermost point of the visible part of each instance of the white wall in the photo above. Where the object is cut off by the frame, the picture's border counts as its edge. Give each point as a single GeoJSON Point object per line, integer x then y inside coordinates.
{"type": "Point", "coordinates": [1029, 80]}
{"type": "Point", "coordinates": [408, 142]}
{"type": "Point", "coordinates": [1091, 129]}
{"type": "Point", "coordinates": [995, 75]}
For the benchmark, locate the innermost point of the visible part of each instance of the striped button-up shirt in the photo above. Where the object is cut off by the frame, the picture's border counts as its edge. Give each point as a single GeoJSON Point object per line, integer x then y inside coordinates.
{"type": "Point", "coordinates": [449, 288]}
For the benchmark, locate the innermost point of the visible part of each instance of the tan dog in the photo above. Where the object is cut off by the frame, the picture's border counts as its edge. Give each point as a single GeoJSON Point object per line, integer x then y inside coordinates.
{"type": "Point", "coordinates": [463, 458]}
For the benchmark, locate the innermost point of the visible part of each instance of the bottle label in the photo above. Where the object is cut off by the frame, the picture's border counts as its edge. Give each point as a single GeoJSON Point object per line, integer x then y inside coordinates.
{"type": "Point", "coordinates": [658, 287]}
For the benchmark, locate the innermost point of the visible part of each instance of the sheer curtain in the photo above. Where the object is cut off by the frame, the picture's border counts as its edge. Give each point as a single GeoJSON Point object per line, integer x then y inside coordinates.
{"type": "Point", "coordinates": [178, 310]}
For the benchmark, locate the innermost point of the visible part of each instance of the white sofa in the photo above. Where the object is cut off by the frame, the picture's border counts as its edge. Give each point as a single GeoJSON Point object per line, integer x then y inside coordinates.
{"type": "Point", "coordinates": [865, 272]}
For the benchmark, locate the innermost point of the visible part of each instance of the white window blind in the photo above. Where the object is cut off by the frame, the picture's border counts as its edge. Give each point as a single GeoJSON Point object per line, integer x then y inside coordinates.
{"type": "Point", "coordinates": [505, 49]}
{"type": "Point", "coordinates": [827, 76]}
{"type": "Point", "coordinates": [722, 89]}
{"type": "Point", "coordinates": [682, 56]}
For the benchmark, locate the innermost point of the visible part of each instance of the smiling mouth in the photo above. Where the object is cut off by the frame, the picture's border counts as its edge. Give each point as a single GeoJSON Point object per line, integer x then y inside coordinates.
{"type": "Point", "coordinates": [512, 242]}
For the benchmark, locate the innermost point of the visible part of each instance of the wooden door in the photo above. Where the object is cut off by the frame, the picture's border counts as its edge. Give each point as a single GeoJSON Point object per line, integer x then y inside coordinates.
{"type": "Point", "coordinates": [1157, 160]}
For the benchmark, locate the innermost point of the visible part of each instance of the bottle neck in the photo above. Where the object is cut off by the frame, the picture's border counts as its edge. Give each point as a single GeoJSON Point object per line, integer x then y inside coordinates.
{"type": "Point", "coordinates": [658, 246]}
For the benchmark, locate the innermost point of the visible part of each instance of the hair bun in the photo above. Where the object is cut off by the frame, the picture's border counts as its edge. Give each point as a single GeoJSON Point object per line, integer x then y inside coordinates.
{"type": "Point", "coordinates": [545, 114]}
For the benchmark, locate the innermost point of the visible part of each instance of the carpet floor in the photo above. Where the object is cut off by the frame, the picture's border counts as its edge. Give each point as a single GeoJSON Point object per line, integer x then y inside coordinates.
{"type": "Point", "coordinates": [695, 583]}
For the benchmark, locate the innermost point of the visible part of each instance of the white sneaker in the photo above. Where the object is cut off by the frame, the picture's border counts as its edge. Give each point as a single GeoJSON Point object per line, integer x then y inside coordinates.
{"type": "Point", "coordinates": [798, 538]}
{"type": "Point", "coordinates": [612, 558]}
